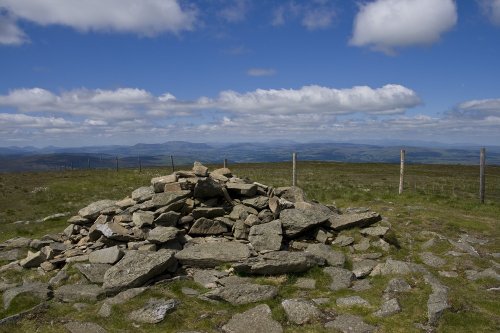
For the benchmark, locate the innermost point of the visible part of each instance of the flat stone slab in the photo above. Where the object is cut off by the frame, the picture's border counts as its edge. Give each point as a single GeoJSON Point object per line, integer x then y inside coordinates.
{"type": "Point", "coordinates": [154, 311]}
{"type": "Point", "coordinates": [71, 293]}
{"type": "Point", "coordinates": [297, 221]}
{"type": "Point", "coordinates": [166, 198]}
{"type": "Point", "coordinates": [93, 210]}
{"type": "Point", "coordinates": [430, 259]}
{"type": "Point", "coordinates": [347, 323]}
{"type": "Point", "coordinates": [351, 220]}
{"type": "Point", "coordinates": [84, 327]}
{"type": "Point", "coordinates": [160, 234]}
{"type": "Point", "coordinates": [257, 319]}
{"type": "Point", "coordinates": [208, 277]}
{"type": "Point", "coordinates": [206, 226]}
{"type": "Point", "coordinates": [280, 262]}
{"type": "Point", "coordinates": [300, 311]}
{"type": "Point", "coordinates": [341, 278]}
{"type": "Point", "coordinates": [213, 254]}
{"type": "Point", "coordinates": [374, 231]}
{"type": "Point", "coordinates": [11, 255]}
{"type": "Point", "coordinates": [332, 257]}
{"type": "Point", "coordinates": [93, 272]}
{"type": "Point", "coordinates": [124, 296]}
{"type": "Point", "coordinates": [137, 267]}
{"type": "Point", "coordinates": [110, 255]}
{"type": "Point", "coordinates": [352, 301]}
{"type": "Point", "coordinates": [37, 289]}
{"type": "Point", "coordinates": [238, 294]}
{"type": "Point", "coordinates": [397, 267]}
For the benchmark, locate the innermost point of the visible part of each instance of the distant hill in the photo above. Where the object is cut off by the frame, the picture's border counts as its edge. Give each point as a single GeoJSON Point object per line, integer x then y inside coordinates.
{"type": "Point", "coordinates": [52, 158]}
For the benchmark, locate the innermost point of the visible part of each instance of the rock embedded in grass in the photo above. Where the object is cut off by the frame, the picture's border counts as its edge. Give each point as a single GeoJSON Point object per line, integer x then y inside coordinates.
{"type": "Point", "coordinates": [258, 319]}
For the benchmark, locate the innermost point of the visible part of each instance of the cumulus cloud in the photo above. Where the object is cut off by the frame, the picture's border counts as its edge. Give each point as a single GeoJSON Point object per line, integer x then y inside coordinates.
{"type": "Point", "coordinates": [261, 72]}
{"type": "Point", "coordinates": [10, 34]}
{"type": "Point", "coordinates": [388, 24]}
{"type": "Point", "coordinates": [8, 120]}
{"type": "Point", "coordinates": [491, 9]}
{"type": "Point", "coordinates": [313, 15]}
{"type": "Point", "coordinates": [478, 109]}
{"type": "Point", "coordinates": [145, 17]}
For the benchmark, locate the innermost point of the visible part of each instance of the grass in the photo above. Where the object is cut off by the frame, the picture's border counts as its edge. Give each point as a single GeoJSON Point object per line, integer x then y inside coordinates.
{"type": "Point", "coordinates": [440, 199]}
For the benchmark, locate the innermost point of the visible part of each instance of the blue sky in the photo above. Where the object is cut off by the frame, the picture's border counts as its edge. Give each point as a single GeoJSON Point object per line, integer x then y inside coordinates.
{"type": "Point", "coordinates": [76, 73]}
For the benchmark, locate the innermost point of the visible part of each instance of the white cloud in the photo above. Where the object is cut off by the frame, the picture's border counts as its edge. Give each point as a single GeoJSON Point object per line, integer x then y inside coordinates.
{"type": "Point", "coordinates": [388, 99]}
{"type": "Point", "coordinates": [8, 120]}
{"type": "Point", "coordinates": [236, 11]}
{"type": "Point", "coordinates": [10, 34]}
{"type": "Point", "coordinates": [145, 17]}
{"type": "Point", "coordinates": [313, 15]}
{"type": "Point", "coordinates": [389, 24]}
{"type": "Point", "coordinates": [478, 109]}
{"type": "Point", "coordinates": [491, 8]}
{"type": "Point", "coordinates": [261, 72]}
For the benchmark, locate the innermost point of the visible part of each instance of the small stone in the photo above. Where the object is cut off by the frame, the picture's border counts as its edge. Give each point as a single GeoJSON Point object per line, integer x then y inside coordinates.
{"type": "Point", "coordinates": [341, 278]}
{"type": "Point", "coordinates": [200, 170]}
{"type": "Point", "coordinates": [361, 285]}
{"type": "Point", "coordinates": [110, 255]}
{"type": "Point", "coordinates": [332, 258]}
{"type": "Point", "coordinates": [305, 283]}
{"type": "Point", "coordinates": [93, 210]}
{"type": "Point", "coordinates": [378, 231]}
{"type": "Point", "coordinates": [84, 327]}
{"type": "Point", "coordinates": [363, 268]}
{"type": "Point", "coordinates": [388, 308]}
{"type": "Point", "coordinates": [168, 219]}
{"type": "Point", "coordinates": [352, 301]}
{"type": "Point", "coordinates": [207, 278]}
{"type": "Point", "coordinates": [158, 183]}
{"type": "Point", "coordinates": [33, 259]}
{"type": "Point", "coordinates": [205, 226]}
{"type": "Point", "coordinates": [154, 311]}
{"type": "Point", "coordinates": [300, 312]}
{"type": "Point", "coordinates": [347, 323]}
{"type": "Point", "coordinates": [162, 234]}
{"type": "Point", "coordinates": [122, 297]}
{"type": "Point", "coordinates": [397, 285]}
{"type": "Point", "coordinates": [259, 319]}
{"type": "Point", "coordinates": [363, 245]}
{"type": "Point", "coordinates": [448, 274]}
{"type": "Point", "coordinates": [189, 291]}
{"type": "Point", "coordinates": [143, 194]}
{"type": "Point", "coordinates": [343, 240]}
{"type": "Point", "coordinates": [432, 260]}
{"type": "Point", "coordinates": [143, 219]}
{"type": "Point", "coordinates": [243, 293]}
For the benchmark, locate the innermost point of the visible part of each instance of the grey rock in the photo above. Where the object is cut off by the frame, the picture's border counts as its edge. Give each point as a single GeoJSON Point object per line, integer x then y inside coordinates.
{"type": "Point", "coordinates": [343, 240]}
{"type": "Point", "coordinates": [16, 242]}
{"type": "Point", "coordinates": [93, 272]}
{"type": "Point", "coordinates": [37, 289]}
{"type": "Point", "coordinates": [168, 219]}
{"type": "Point", "coordinates": [259, 202]}
{"type": "Point", "coordinates": [207, 188]}
{"type": "Point", "coordinates": [341, 278]}
{"type": "Point", "coordinates": [205, 226]}
{"type": "Point", "coordinates": [259, 319]}
{"type": "Point", "coordinates": [347, 323]}
{"type": "Point", "coordinates": [396, 267]}
{"type": "Point", "coordinates": [189, 291]}
{"type": "Point", "coordinates": [245, 190]}
{"type": "Point", "coordinates": [352, 301]}
{"type": "Point", "coordinates": [397, 285]}
{"type": "Point", "coordinates": [332, 258]}
{"type": "Point", "coordinates": [207, 277]}
{"type": "Point", "coordinates": [267, 236]}
{"type": "Point", "coordinates": [163, 234]}
{"type": "Point", "coordinates": [143, 219]}
{"type": "Point", "coordinates": [361, 285]}
{"type": "Point", "coordinates": [125, 203]}
{"type": "Point", "coordinates": [280, 262]}
{"type": "Point", "coordinates": [208, 212]}
{"type": "Point", "coordinates": [448, 274]}
{"type": "Point", "coordinates": [321, 300]}
{"type": "Point", "coordinates": [154, 311]}
{"type": "Point", "coordinates": [11, 255]}
{"type": "Point", "coordinates": [78, 292]}
{"type": "Point", "coordinates": [438, 300]}
{"type": "Point", "coordinates": [464, 247]}
{"type": "Point", "coordinates": [430, 259]}
{"type": "Point", "coordinates": [351, 220]}
{"type": "Point", "coordinates": [296, 221]}
{"type": "Point", "coordinates": [374, 231]}
{"type": "Point", "coordinates": [363, 268]}
{"type": "Point", "coordinates": [362, 245]}
{"type": "Point", "coordinates": [238, 294]}
{"type": "Point", "coordinates": [305, 283]}
{"type": "Point", "coordinates": [323, 236]}
{"type": "Point", "coordinates": [93, 210]}
{"type": "Point", "coordinates": [84, 327]}
{"type": "Point", "coordinates": [213, 254]}
{"type": "Point", "coordinates": [300, 311]}
{"type": "Point", "coordinates": [124, 296]}
{"type": "Point", "coordinates": [252, 220]}
{"type": "Point", "coordinates": [485, 274]}
{"type": "Point", "coordinates": [292, 193]}
{"type": "Point", "coordinates": [59, 278]}
{"type": "Point", "coordinates": [114, 231]}
{"type": "Point", "coordinates": [33, 259]}
{"type": "Point", "coordinates": [143, 194]}
{"type": "Point", "coordinates": [167, 198]}
{"type": "Point", "coordinates": [137, 267]}
{"type": "Point", "coordinates": [241, 212]}
{"type": "Point", "coordinates": [388, 308]}
{"type": "Point", "coordinates": [241, 230]}
{"type": "Point", "coordinates": [158, 183]}
{"type": "Point", "coordinates": [200, 170]}
{"type": "Point", "coordinates": [110, 255]}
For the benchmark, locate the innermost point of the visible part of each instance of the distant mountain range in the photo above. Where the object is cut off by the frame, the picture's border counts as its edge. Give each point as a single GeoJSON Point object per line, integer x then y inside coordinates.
{"type": "Point", "coordinates": [52, 158]}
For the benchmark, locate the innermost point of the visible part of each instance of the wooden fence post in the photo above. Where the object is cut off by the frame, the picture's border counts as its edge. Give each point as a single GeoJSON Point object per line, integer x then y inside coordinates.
{"type": "Point", "coordinates": [402, 171]}
{"type": "Point", "coordinates": [294, 169]}
{"type": "Point", "coordinates": [225, 163]}
{"type": "Point", "coordinates": [172, 161]}
{"type": "Point", "coordinates": [482, 176]}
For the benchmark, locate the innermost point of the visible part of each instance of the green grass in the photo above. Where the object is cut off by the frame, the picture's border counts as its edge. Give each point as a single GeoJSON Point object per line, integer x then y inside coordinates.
{"type": "Point", "coordinates": [441, 199]}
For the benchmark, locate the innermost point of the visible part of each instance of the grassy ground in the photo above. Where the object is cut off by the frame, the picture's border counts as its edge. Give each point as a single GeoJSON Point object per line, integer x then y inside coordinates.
{"type": "Point", "coordinates": [442, 199]}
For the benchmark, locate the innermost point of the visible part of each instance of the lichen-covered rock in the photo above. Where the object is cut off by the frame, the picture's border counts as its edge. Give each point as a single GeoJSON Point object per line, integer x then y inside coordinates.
{"type": "Point", "coordinates": [238, 294]}
{"type": "Point", "coordinates": [267, 236]}
{"type": "Point", "coordinates": [300, 311]}
{"type": "Point", "coordinates": [154, 311]}
{"type": "Point", "coordinates": [280, 262]}
{"type": "Point", "coordinates": [213, 254]}
{"type": "Point", "coordinates": [93, 210]}
{"type": "Point", "coordinates": [257, 319]}
{"type": "Point", "coordinates": [297, 221]}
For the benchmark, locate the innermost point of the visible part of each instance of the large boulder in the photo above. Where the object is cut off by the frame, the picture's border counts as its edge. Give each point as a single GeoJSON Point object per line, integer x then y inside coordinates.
{"type": "Point", "coordinates": [137, 267]}
{"type": "Point", "coordinates": [280, 262]}
{"type": "Point", "coordinates": [297, 221]}
{"type": "Point", "coordinates": [213, 254]}
{"type": "Point", "coordinates": [267, 236]}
